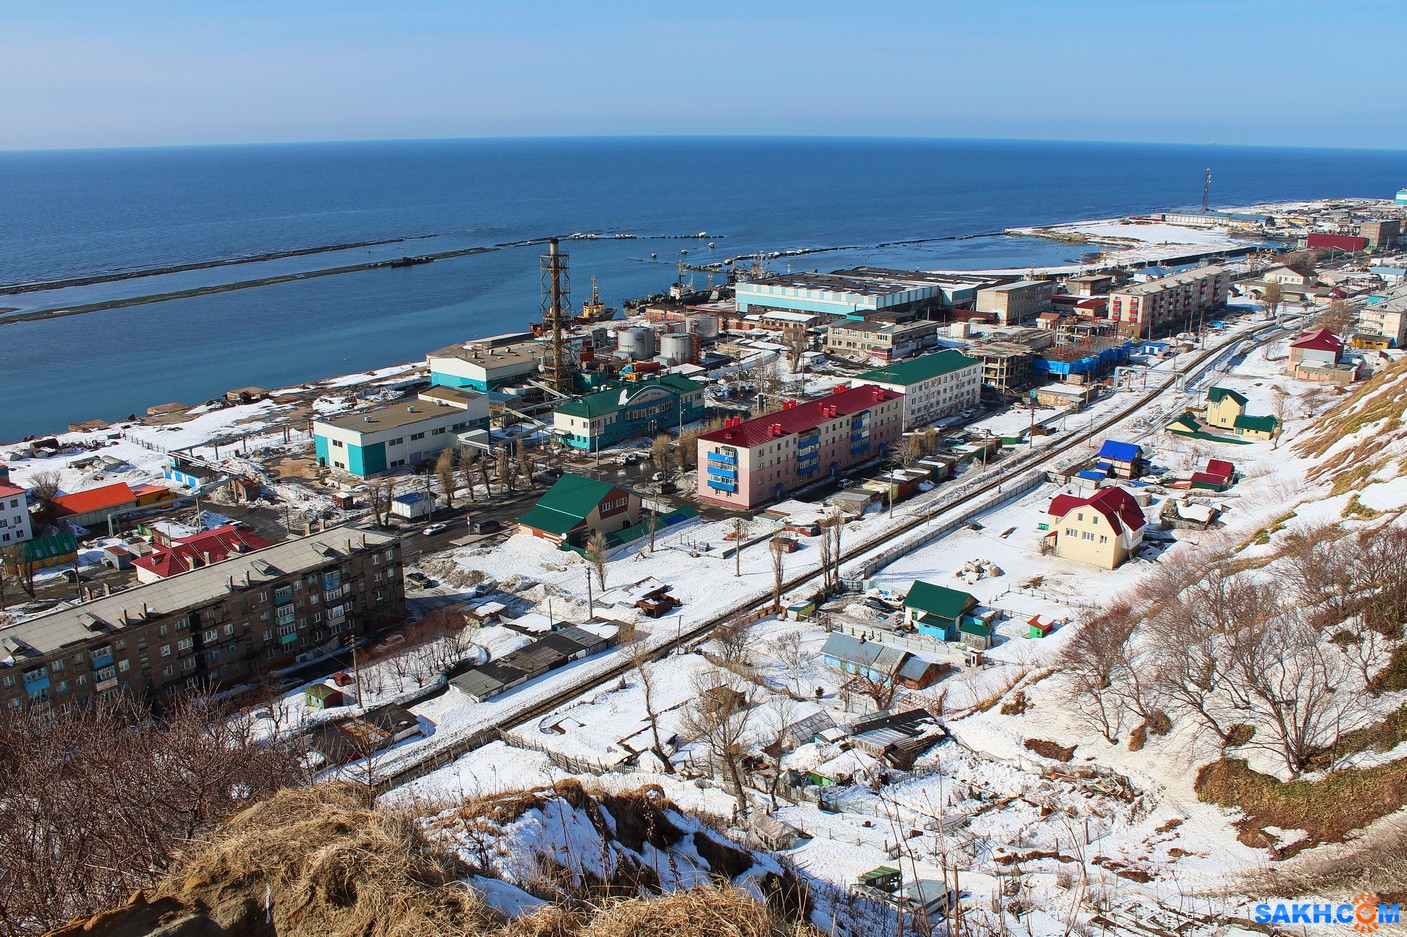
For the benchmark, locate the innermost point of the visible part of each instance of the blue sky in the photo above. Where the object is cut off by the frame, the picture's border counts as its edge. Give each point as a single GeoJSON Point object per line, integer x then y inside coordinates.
{"type": "Point", "coordinates": [147, 72]}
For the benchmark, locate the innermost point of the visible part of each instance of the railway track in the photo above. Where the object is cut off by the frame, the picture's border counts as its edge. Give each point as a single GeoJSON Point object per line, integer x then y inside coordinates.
{"type": "Point", "coordinates": [445, 755]}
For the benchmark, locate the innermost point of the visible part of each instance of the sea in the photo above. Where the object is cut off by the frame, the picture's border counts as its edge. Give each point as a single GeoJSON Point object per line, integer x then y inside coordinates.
{"type": "Point", "coordinates": [910, 203]}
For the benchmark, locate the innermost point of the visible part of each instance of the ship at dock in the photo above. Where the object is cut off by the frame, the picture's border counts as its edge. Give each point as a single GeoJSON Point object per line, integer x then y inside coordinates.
{"type": "Point", "coordinates": [594, 310]}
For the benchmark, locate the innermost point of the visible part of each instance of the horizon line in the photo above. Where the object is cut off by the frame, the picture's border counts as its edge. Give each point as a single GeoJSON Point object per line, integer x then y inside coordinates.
{"type": "Point", "coordinates": [690, 136]}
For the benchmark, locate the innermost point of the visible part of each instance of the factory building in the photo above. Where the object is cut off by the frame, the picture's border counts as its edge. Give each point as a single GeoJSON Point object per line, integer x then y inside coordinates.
{"type": "Point", "coordinates": [487, 364]}
{"type": "Point", "coordinates": [1013, 303]}
{"type": "Point", "coordinates": [833, 294]}
{"type": "Point", "coordinates": [375, 441]}
{"type": "Point", "coordinates": [880, 342]}
{"type": "Point", "coordinates": [750, 462]}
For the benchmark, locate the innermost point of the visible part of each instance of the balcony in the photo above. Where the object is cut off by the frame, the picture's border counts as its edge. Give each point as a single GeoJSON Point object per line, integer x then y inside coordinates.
{"type": "Point", "coordinates": [285, 615]}
{"type": "Point", "coordinates": [100, 657]}
{"type": "Point", "coordinates": [289, 638]}
{"type": "Point", "coordinates": [723, 473]}
{"type": "Point", "coordinates": [334, 594]}
{"type": "Point", "coordinates": [723, 457]}
{"type": "Point", "coordinates": [723, 485]}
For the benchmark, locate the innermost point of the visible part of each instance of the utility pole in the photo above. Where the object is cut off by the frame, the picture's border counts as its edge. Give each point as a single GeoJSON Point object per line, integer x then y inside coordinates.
{"type": "Point", "coordinates": [737, 546]}
{"type": "Point", "coordinates": [590, 601]}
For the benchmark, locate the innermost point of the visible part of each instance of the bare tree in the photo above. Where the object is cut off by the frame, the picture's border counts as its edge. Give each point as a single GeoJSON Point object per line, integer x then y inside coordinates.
{"type": "Point", "coordinates": [1338, 318]}
{"type": "Point", "coordinates": [22, 565]}
{"type": "Point", "coordinates": [878, 688]}
{"type": "Point", "coordinates": [1273, 296]}
{"type": "Point", "coordinates": [1091, 661]}
{"type": "Point", "coordinates": [720, 723]}
{"type": "Point", "coordinates": [662, 452]}
{"type": "Point", "coordinates": [797, 343]}
{"type": "Point", "coordinates": [825, 550]}
{"type": "Point", "coordinates": [778, 548]}
{"type": "Point", "coordinates": [446, 474]}
{"type": "Point", "coordinates": [596, 556]}
{"type": "Point", "coordinates": [526, 462]}
{"type": "Point", "coordinates": [652, 526]}
{"type": "Point", "coordinates": [505, 470]}
{"type": "Point", "coordinates": [740, 531]}
{"type": "Point", "coordinates": [790, 651]}
{"type": "Point", "coordinates": [467, 469]}
{"type": "Point", "coordinates": [44, 486]}
{"type": "Point", "coordinates": [640, 660]}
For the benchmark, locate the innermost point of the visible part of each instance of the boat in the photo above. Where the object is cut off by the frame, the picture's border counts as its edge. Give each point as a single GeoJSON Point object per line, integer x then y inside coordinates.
{"type": "Point", "coordinates": [594, 310]}
{"type": "Point", "coordinates": [411, 261]}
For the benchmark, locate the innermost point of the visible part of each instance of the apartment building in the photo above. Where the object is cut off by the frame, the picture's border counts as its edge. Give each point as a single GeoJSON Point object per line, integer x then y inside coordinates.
{"type": "Point", "coordinates": [1016, 302]}
{"type": "Point", "coordinates": [879, 341]}
{"type": "Point", "coordinates": [217, 625]}
{"type": "Point", "coordinates": [1158, 306]}
{"type": "Point", "coordinates": [14, 511]}
{"type": "Point", "coordinates": [934, 385]}
{"type": "Point", "coordinates": [1387, 319]}
{"type": "Point", "coordinates": [751, 462]}
{"type": "Point", "coordinates": [375, 441]}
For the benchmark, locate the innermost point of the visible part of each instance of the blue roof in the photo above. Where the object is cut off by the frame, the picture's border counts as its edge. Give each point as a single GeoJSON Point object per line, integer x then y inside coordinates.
{"type": "Point", "coordinates": [1092, 475]}
{"type": "Point", "coordinates": [413, 497]}
{"type": "Point", "coordinates": [1121, 451]}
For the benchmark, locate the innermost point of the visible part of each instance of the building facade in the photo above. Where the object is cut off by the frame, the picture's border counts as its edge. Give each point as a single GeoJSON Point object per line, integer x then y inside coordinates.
{"type": "Point", "coordinates": [1387, 319]}
{"type": "Point", "coordinates": [15, 525]}
{"type": "Point", "coordinates": [1381, 233]}
{"type": "Point", "coordinates": [218, 625]}
{"type": "Point", "coordinates": [375, 441]}
{"type": "Point", "coordinates": [934, 385]}
{"type": "Point", "coordinates": [641, 408]}
{"type": "Point", "coordinates": [575, 507]}
{"type": "Point", "coordinates": [880, 342]}
{"type": "Point", "coordinates": [751, 462]}
{"type": "Point", "coordinates": [834, 294]}
{"type": "Point", "coordinates": [1016, 302]}
{"type": "Point", "coordinates": [94, 506]}
{"type": "Point", "coordinates": [1157, 306]}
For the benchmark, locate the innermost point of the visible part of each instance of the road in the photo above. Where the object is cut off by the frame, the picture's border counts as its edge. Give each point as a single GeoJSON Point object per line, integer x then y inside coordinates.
{"type": "Point", "coordinates": [1001, 472]}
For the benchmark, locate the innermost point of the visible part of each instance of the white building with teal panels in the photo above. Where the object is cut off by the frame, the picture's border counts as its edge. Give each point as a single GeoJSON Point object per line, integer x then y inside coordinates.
{"type": "Point", "coordinates": [831, 294]}
{"type": "Point", "coordinates": [404, 434]}
{"type": "Point", "coordinates": [628, 411]}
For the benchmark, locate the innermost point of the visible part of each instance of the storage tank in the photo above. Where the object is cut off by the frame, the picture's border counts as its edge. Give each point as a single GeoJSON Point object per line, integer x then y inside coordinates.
{"type": "Point", "coordinates": [638, 343]}
{"type": "Point", "coordinates": [706, 327]}
{"type": "Point", "coordinates": [678, 348]}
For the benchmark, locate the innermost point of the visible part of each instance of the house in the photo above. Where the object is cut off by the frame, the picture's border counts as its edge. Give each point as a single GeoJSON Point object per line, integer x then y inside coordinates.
{"type": "Point", "coordinates": [750, 462]}
{"type": "Point", "coordinates": [575, 507]}
{"type": "Point", "coordinates": [14, 511]}
{"type": "Point", "coordinates": [357, 737]}
{"type": "Point", "coordinates": [202, 549]}
{"type": "Point", "coordinates": [937, 610]}
{"type": "Point", "coordinates": [1318, 356]}
{"type": "Point", "coordinates": [1217, 476]}
{"type": "Point", "coordinates": [1103, 530]}
{"type": "Point", "coordinates": [1288, 276]}
{"type": "Point", "coordinates": [95, 505]}
{"type": "Point", "coordinates": [498, 676]}
{"type": "Point", "coordinates": [627, 411]}
{"type": "Point", "coordinates": [934, 386]}
{"type": "Point", "coordinates": [1035, 628]}
{"type": "Point", "coordinates": [1120, 460]}
{"type": "Point", "coordinates": [1227, 409]}
{"type": "Point", "coordinates": [189, 473]}
{"type": "Point", "coordinates": [879, 341]}
{"type": "Point", "coordinates": [878, 662]}
{"type": "Point", "coordinates": [896, 738]}
{"type": "Point", "coordinates": [487, 364]}
{"type": "Point", "coordinates": [372, 442]}
{"type": "Point", "coordinates": [61, 549]}
{"type": "Point", "coordinates": [322, 696]}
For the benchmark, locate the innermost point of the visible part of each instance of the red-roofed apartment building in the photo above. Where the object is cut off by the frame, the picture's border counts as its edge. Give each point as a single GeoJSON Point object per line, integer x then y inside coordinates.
{"type": "Point", "coordinates": [201, 549]}
{"type": "Point", "coordinates": [14, 511]}
{"type": "Point", "coordinates": [751, 462]}
{"type": "Point", "coordinates": [1103, 530]}
{"type": "Point", "coordinates": [86, 508]}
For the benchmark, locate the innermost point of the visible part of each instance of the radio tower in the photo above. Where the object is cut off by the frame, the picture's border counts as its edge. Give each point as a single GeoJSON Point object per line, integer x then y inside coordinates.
{"type": "Point", "coordinates": [1207, 191]}
{"type": "Point", "coordinates": [555, 288]}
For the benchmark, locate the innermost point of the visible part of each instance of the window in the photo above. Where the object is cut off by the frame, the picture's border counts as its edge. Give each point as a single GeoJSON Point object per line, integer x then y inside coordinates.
{"type": "Point", "coordinates": [57, 666]}
{"type": "Point", "coordinates": [165, 650]}
{"type": "Point", "coordinates": [229, 629]}
{"type": "Point", "coordinates": [210, 636]}
{"type": "Point", "coordinates": [123, 666]}
{"type": "Point", "coordinates": [9, 680]}
{"type": "Point", "coordinates": [185, 644]}
{"type": "Point", "coordinates": [62, 686]}
{"type": "Point", "coordinates": [415, 436]}
{"type": "Point", "coordinates": [1103, 539]}
{"type": "Point", "coordinates": [337, 444]}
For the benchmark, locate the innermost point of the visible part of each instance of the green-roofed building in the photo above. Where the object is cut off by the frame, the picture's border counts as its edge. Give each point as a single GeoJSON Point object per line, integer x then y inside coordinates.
{"type": "Point", "coordinates": [627, 410]}
{"type": "Point", "coordinates": [934, 386]}
{"type": "Point", "coordinates": [576, 507]}
{"type": "Point", "coordinates": [59, 550]}
{"type": "Point", "coordinates": [1257, 427]}
{"type": "Point", "coordinates": [937, 610]}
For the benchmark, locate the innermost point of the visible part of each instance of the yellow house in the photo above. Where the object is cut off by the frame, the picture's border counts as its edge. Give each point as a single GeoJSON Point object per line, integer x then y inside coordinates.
{"type": "Point", "coordinates": [1227, 409]}
{"type": "Point", "coordinates": [1102, 530]}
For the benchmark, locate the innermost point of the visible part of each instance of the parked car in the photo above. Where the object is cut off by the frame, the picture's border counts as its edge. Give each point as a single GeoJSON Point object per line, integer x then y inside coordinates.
{"type": "Point", "coordinates": [420, 579]}
{"type": "Point", "coordinates": [485, 527]}
{"type": "Point", "coordinates": [657, 477]}
{"type": "Point", "coordinates": [435, 528]}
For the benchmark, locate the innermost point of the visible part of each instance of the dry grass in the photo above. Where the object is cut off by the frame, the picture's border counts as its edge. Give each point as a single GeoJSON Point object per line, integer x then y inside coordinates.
{"type": "Point", "coordinates": [325, 862]}
{"type": "Point", "coordinates": [1327, 809]}
{"type": "Point", "coordinates": [714, 911]}
{"type": "Point", "coordinates": [1052, 750]}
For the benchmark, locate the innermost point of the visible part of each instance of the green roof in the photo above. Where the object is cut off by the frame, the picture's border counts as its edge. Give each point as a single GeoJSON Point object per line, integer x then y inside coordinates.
{"type": "Point", "coordinates": [938, 600]}
{"type": "Point", "coordinates": [1215, 394]}
{"type": "Point", "coordinates": [47, 548]}
{"type": "Point", "coordinates": [918, 369]}
{"type": "Point", "coordinates": [975, 627]}
{"type": "Point", "coordinates": [610, 400]}
{"type": "Point", "coordinates": [566, 504]}
{"type": "Point", "coordinates": [1261, 424]}
{"type": "Point", "coordinates": [1187, 423]}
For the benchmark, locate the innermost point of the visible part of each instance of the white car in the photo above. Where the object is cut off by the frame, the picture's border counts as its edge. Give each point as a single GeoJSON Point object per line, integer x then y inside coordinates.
{"type": "Point", "coordinates": [435, 528]}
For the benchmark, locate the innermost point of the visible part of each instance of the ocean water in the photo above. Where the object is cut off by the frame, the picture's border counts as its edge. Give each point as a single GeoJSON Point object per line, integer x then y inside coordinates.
{"type": "Point", "coordinates": [75, 213]}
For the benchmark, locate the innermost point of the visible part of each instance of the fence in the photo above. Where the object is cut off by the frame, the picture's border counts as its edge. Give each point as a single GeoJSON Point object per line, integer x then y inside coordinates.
{"type": "Point", "coordinates": [564, 761]}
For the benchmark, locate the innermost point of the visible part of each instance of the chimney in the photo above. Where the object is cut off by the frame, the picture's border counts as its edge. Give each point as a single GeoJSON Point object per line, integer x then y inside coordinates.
{"type": "Point", "coordinates": [122, 615]}
{"type": "Point", "coordinates": [145, 611]}
{"type": "Point", "coordinates": [838, 389]}
{"type": "Point", "coordinates": [363, 539]}
{"type": "Point", "coordinates": [206, 555]}
{"type": "Point", "coordinates": [229, 581]}
{"type": "Point", "coordinates": [349, 544]}
{"type": "Point", "coordinates": [246, 578]}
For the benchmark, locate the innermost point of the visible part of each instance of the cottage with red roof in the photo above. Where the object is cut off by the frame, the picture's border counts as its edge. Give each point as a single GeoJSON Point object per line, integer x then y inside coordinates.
{"type": "Point", "coordinates": [1103, 530]}
{"type": "Point", "coordinates": [1317, 355]}
{"type": "Point", "coordinates": [94, 506]}
{"type": "Point", "coordinates": [202, 549]}
{"type": "Point", "coordinates": [14, 511]}
{"type": "Point", "coordinates": [750, 462]}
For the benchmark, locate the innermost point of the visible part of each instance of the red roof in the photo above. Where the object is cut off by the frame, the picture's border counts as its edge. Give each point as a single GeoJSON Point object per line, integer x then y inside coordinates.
{"type": "Point", "coordinates": [1220, 467]}
{"type": "Point", "coordinates": [1318, 340]}
{"type": "Point", "coordinates": [96, 499]}
{"type": "Point", "coordinates": [7, 490]}
{"type": "Point", "coordinates": [801, 417]}
{"type": "Point", "coordinates": [1115, 504]}
{"type": "Point", "coordinates": [1208, 478]}
{"type": "Point", "coordinates": [189, 552]}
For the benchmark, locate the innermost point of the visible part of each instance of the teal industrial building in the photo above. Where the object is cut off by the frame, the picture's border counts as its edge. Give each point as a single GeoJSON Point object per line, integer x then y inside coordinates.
{"type": "Point", "coordinates": [407, 433]}
{"type": "Point", "coordinates": [628, 410]}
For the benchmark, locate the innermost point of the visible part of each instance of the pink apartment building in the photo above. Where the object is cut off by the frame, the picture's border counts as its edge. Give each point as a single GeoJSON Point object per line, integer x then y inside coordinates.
{"type": "Point", "coordinates": [752, 462]}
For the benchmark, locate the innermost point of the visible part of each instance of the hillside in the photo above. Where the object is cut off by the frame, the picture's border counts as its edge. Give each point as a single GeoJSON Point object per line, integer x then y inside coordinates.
{"type": "Point", "coordinates": [561, 861]}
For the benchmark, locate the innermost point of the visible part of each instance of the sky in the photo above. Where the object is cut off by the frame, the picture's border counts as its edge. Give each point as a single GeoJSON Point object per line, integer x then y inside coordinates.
{"type": "Point", "coordinates": [90, 73]}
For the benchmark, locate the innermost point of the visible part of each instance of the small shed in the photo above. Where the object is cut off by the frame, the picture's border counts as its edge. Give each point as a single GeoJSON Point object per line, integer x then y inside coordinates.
{"type": "Point", "coordinates": [322, 696]}
{"type": "Point", "coordinates": [1037, 628]}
